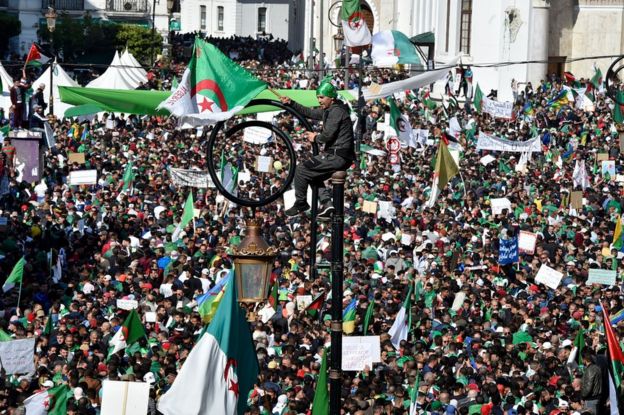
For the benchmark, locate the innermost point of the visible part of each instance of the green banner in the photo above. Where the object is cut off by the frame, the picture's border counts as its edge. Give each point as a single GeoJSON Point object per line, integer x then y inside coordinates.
{"type": "Point", "coordinates": [145, 102]}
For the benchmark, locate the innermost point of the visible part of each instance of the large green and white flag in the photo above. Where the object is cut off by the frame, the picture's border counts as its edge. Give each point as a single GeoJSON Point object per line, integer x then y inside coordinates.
{"type": "Point", "coordinates": [16, 275]}
{"type": "Point", "coordinates": [49, 402]}
{"type": "Point", "coordinates": [213, 88]}
{"type": "Point", "coordinates": [187, 217]}
{"type": "Point", "coordinates": [445, 169]}
{"type": "Point", "coordinates": [391, 47]}
{"type": "Point", "coordinates": [220, 370]}
{"type": "Point", "coordinates": [356, 32]}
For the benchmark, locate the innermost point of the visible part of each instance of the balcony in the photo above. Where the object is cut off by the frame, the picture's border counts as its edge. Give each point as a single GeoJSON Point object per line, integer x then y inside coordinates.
{"type": "Point", "coordinates": [127, 6]}
{"type": "Point", "coordinates": [61, 5]}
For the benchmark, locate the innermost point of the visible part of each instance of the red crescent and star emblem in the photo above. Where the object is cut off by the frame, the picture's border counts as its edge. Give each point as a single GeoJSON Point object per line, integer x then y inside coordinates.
{"type": "Point", "coordinates": [206, 104]}
{"type": "Point", "coordinates": [233, 384]}
{"type": "Point", "coordinates": [355, 20]}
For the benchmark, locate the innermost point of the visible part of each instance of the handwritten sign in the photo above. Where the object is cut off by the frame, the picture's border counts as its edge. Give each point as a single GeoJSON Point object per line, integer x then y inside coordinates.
{"type": "Point", "coordinates": [608, 167]}
{"type": "Point", "coordinates": [601, 276]}
{"type": "Point", "coordinates": [17, 356]}
{"type": "Point", "coordinates": [508, 251]}
{"type": "Point", "coordinates": [127, 304]}
{"type": "Point", "coordinates": [527, 242]}
{"type": "Point", "coordinates": [360, 351]}
{"type": "Point", "coordinates": [548, 276]}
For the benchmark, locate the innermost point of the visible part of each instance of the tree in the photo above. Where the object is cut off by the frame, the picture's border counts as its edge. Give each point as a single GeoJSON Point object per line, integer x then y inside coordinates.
{"type": "Point", "coordinates": [11, 26]}
{"type": "Point", "coordinates": [139, 41]}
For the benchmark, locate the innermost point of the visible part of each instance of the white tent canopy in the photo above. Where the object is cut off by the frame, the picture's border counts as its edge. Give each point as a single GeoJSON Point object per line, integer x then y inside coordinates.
{"type": "Point", "coordinates": [122, 73]}
{"type": "Point", "coordinates": [59, 78]}
{"type": "Point", "coordinates": [7, 83]}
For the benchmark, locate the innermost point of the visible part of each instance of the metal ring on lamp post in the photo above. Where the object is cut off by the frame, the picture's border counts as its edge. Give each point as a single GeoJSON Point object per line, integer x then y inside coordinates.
{"type": "Point", "coordinates": [329, 14]}
{"type": "Point", "coordinates": [611, 74]}
{"type": "Point", "coordinates": [256, 123]}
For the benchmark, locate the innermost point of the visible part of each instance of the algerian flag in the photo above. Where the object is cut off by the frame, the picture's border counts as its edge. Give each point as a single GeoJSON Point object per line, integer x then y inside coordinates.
{"type": "Point", "coordinates": [130, 331]}
{"type": "Point", "coordinates": [356, 32]}
{"type": "Point", "coordinates": [596, 80]}
{"type": "Point", "coordinates": [616, 362]}
{"type": "Point", "coordinates": [391, 47]}
{"type": "Point", "coordinates": [213, 88]}
{"type": "Point", "coordinates": [400, 126]}
{"type": "Point", "coordinates": [579, 175]}
{"type": "Point", "coordinates": [128, 177]}
{"type": "Point", "coordinates": [51, 402]}
{"type": "Point", "coordinates": [618, 110]}
{"type": "Point", "coordinates": [187, 217]}
{"type": "Point", "coordinates": [229, 178]}
{"type": "Point", "coordinates": [220, 370]}
{"type": "Point", "coordinates": [445, 169]}
{"type": "Point", "coordinates": [16, 275]}
{"type": "Point", "coordinates": [320, 404]}
{"type": "Point", "coordinates": [365, 148]}
{"type": "Point", "coordinates": [4, 132]}
{"type": "Point", "coordinates": [35, 57]}
{"type": "Point", "coordinates": [400, 327]}
{"type": "Point", "coordinates": [477, 100]}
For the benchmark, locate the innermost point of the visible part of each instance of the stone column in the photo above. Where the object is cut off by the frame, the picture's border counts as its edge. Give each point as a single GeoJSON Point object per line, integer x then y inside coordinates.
{"type": "Point", "coordinates": [538, 40]}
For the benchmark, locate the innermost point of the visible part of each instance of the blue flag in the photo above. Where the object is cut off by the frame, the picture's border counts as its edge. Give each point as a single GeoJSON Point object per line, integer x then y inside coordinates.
{"type": "Point", "coordinates": [508, 251]}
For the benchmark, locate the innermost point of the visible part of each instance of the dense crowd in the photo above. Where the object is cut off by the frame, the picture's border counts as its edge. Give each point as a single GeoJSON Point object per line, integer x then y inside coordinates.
{"type": "Point", "coordinates": [503, 348]}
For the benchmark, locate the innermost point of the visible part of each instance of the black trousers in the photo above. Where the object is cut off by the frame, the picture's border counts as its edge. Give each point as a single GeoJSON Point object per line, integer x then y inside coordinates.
{"type": "Point", "coordinates": [314, 172]}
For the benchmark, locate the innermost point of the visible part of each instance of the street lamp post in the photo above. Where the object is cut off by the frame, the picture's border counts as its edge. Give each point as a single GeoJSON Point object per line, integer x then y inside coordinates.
{"type": "Point", "coordinates": [51, 21]}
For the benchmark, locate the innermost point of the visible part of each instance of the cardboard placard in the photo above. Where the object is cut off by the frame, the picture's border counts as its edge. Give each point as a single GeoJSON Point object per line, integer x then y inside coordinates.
{"type": "Point", "coordinates": [124, 398]}
{"type": "Point", "coordinates": [601, 276]}
{"type": "Point", "coordinates": [257, 135]}
{"type": "Point", "coordinates": [527, 242]}
{"type": "Point", "coordinates": [369, 207]}
{"type": "Point", "coordinates": [76, 158]}
{"type": "Point", "coordinates": [548, 276]}
{"type": "Point", "coordinates": [576, 200]}
{"type": "Point", "coordinates": [360, 351]}
{"type": "Point", "coordinates": [602, 156]}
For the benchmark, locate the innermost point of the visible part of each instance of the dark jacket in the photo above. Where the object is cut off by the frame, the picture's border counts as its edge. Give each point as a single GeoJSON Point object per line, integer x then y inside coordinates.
{"type": "Point", "coordinates": [591, 384]}
{"type": "Point", "coordinates": [337, 134]}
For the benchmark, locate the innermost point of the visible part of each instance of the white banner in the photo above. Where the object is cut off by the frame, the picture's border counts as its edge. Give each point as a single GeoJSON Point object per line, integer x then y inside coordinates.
{"type": "Point", "coordinates": [191, 178]}
{"type": "Point", "coordinates": [360, 351]}
{"type": "Point", "coordinates": [601, 276]}
{"type": "Point", "coordinates": [257, 135]}
{"type": "Point", "coordinates": [548, 276]}
{"type": "Point", "coordinates": [124, 398]}
{"type": "Point", "coordinates": [127, 304]}
{"type": "Point", "coordinates": [79, 177]}
{"type": "Point", "coordinates": [497, 109]}
{"type": "Point", "coordinates": [489, 142]}
{"type": "Point", "coordinates": [17, 356]}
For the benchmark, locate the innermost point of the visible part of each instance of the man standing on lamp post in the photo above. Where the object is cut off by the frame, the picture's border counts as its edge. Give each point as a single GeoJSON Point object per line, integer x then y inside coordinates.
{"type": "Point", "coordinates": [338, 152]}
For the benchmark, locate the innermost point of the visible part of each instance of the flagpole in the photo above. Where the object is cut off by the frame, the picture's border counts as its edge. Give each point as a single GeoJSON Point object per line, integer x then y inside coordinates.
{"type": "Point", "coordinates": [19, 295]}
